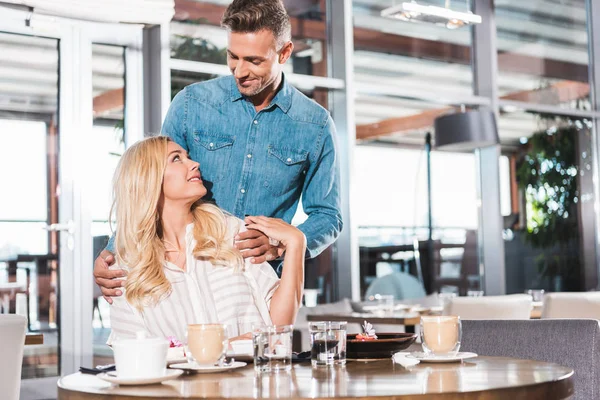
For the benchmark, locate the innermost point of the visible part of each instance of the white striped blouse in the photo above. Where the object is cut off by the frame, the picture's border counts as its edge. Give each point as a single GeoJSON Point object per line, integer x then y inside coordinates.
{"type": "Point", "coordinates": [204, 293]}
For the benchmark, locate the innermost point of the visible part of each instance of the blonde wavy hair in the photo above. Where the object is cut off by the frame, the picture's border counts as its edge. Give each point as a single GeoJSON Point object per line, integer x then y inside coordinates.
{"type": "Point", "coordinates": [137, 193]}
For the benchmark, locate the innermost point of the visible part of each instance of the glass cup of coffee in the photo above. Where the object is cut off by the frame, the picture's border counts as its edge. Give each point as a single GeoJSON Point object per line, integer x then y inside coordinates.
{"type": "Point", "coordinates": [206, 343]}
{"type": "Point", "coordinates": [441, 335]}
{"type": "Point", "coordinates": [327, 342]}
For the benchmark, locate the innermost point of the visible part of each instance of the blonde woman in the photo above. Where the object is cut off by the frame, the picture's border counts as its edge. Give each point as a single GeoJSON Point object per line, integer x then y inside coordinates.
{"type": "Point", "coordinates": [180, 257]}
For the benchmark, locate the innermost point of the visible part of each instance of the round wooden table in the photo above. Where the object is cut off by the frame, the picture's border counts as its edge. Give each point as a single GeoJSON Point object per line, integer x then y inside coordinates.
{"type": "Point", "coordinates": [480, 378]}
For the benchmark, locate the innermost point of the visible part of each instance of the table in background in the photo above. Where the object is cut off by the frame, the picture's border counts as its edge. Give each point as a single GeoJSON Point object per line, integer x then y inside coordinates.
{"type": "Point", "coordinates": [482, 378]}
{"type": "Point", "coordinates": [42, 268]}
{"type": "Point", "coordinates": [34, 338]}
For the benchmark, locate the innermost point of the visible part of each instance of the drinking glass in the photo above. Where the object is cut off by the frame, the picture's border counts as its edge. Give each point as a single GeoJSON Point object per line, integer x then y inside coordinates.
{"type": "Point", "coordinates": [441, 335]}
{"type": "Point", "coordinates": [328, 342]}
{"type": "Point", "coordinates": [536, 294]}
{"type": "Point", "coordinates": [273, 348]}
{"type": "Point", "coordinates": [475, 293]}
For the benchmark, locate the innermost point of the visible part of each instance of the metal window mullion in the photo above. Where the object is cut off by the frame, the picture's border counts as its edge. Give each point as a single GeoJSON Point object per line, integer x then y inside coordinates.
{"type": "Point", "coordinates": [593, 31]}
{"type": "Point", "coordinates": [157, 77]}
{"type": "Point", "coordinates": [340, 66]}
{"type": "Point", "coordinates": [485, 81]}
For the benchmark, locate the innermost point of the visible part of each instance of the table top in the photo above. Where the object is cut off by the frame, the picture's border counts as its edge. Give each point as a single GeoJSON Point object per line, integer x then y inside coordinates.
{"type": "Point", "coordinates": [481, 378]}
{"type": "Point", "coordinates": [400, 318]}
{"type": "Point", "coordinates": [28, 257]}
{"type": "Point", "coordinates": [34, 338]}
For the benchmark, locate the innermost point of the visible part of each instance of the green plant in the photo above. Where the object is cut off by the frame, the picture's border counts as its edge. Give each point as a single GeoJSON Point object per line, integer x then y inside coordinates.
{"type": "Point", "coordinates": [194, 49]}
{"type": "Point", "coordinates": [548, 174]}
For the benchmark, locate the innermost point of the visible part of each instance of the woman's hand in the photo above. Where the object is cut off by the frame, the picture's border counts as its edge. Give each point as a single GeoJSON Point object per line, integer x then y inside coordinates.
{"type": "Point", "coordinates": [275, 228]}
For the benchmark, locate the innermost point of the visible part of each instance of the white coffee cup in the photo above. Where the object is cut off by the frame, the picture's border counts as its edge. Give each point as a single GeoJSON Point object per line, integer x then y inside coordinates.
{"type": "Point", "coordinates": [141, 357]}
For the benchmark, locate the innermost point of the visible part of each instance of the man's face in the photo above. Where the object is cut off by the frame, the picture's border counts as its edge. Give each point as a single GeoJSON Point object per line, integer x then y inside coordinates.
{"type": "Point", "coordinates": [254, 60]}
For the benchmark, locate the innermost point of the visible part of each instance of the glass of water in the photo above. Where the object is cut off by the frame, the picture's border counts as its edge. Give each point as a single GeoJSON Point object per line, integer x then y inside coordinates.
{"type": "Point", "coordinates": [273, 348]}
{"type": "Point", "coordinates": [328, 343]}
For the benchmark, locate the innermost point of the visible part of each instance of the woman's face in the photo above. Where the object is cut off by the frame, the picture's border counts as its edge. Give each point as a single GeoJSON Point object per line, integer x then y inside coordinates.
{"type": "Point", "coordinates": [182, 180]}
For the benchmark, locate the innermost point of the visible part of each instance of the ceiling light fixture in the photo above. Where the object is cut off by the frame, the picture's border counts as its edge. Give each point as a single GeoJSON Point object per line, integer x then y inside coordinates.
{"type": "Point", "coordinates": [444, 16]}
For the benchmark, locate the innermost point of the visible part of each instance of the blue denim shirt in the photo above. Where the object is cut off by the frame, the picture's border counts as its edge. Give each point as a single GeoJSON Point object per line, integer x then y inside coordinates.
{"type": "Point", "coordinates": [262, 163]}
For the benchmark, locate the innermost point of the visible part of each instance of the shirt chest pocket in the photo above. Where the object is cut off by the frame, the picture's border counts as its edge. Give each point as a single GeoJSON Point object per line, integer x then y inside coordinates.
{"type": "Point", "coordinates": [284, 169]}
{"type": "Point", "coordinates": [213, 152]}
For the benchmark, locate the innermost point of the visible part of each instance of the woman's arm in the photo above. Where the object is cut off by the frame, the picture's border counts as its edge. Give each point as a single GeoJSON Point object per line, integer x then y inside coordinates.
{"type": "Point", "coordinates": [287, 297]}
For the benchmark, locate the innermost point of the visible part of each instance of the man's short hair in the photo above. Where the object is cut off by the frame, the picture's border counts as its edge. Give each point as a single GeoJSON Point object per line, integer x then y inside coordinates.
{"type": "Point", "coordinates": [249, 16]}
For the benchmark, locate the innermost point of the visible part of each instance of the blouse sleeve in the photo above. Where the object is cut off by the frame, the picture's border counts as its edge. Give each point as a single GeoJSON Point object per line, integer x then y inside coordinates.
{"type": "Point", "coordinates": [266, 278]}
{"type": "Point", "coordinates": [125, 320]}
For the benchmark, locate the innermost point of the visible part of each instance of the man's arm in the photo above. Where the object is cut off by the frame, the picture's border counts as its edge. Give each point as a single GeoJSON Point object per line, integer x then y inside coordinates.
{"type": "Point", "coordinates": [321, 196]}
{"type": "Point", "coordinates": [175, 123]}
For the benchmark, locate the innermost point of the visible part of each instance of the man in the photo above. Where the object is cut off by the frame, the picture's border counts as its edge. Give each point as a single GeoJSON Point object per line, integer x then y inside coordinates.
{"type": "Point", "coordinates": [261, 144]}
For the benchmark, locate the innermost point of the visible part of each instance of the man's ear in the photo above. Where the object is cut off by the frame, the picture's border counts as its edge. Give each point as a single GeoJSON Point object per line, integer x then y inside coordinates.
{"type": "Point", "coordinates": [286, 52]}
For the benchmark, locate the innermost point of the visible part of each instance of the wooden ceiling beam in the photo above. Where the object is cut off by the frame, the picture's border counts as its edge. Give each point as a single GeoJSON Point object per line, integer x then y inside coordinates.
{"type": "Point", "coordinates": [108, 101]}
{"type": "Point", "coordinates": [559, 92]}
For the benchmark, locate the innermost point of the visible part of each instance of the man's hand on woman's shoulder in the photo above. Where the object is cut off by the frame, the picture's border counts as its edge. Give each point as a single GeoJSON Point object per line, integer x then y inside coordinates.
{"type": "Point", "coordinates": [106, 278]}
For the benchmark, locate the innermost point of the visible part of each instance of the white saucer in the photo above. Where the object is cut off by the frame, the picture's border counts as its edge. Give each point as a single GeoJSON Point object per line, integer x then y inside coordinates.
{"type": "Point", "coordinates": [441, 359]}
{"type": "Point", "coordinates": [206, 369]}
{"type": "Point", "coordinates": [113, 378]}
{"type": "Point", "coordinates": [248, 357]}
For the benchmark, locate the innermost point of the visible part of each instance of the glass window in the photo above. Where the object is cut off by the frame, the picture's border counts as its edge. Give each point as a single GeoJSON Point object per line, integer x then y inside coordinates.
{"type": "Point", "coordinates": [196, 34]}
{"type": "Point", "coordinates": [24, 166]}
{"type": "Point", "coordinates": [399, 57]}
{"type": "Point", "coordinates": [543, 52]}
{"type": "Point", "coordinates": [108, 136]}
{"type": "Point", "coordinates": [29, 154]}
{"type": "Point", "coordinates": [390, 206]}
{"type": "Point", "coordinates": [550, 243]}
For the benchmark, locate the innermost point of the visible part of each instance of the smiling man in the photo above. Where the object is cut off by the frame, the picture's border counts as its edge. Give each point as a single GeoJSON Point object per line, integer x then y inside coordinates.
{"type": "Point", "coordinates": [261, 144]}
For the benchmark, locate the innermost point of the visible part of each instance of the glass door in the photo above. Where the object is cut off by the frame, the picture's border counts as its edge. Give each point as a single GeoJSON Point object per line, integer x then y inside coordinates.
{"type": "Point", "coordinates": [116, 82]}
{"type": "Point", "coordinates": [29, 158]}
{"type": "Point", "coordinates": [56, 176]}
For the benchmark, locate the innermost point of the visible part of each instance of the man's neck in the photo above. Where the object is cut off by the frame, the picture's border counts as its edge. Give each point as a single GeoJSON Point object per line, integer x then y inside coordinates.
{"type": "Point", "coordinates": [174, 220]}
{"type": "Point", "coordinates": [264, 98]}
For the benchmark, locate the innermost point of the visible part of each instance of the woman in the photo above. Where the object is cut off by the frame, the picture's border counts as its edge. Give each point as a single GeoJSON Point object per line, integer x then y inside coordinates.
{"type": "Point", "coordinates": [180, 256]}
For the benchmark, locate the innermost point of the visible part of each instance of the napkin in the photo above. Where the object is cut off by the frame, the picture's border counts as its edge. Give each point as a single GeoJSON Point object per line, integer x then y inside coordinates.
{"type": "Point", "coordinates": [400, 358]}
{"type": "Point", "coordinates": [98, 370]}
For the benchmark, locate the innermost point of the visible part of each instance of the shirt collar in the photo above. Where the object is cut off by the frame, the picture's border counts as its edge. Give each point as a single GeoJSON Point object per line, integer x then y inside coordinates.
{"type": "Point", "coordinates": [283, 98]}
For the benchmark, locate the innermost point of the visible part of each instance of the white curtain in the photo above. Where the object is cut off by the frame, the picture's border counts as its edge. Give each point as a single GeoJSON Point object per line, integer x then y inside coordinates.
{"type": "Point", "coordinates": [132, 11]}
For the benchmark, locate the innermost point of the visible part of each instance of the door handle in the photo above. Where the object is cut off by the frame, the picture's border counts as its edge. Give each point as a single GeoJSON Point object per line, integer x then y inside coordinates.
{"type": "Point", "coordinates": [67, 227]}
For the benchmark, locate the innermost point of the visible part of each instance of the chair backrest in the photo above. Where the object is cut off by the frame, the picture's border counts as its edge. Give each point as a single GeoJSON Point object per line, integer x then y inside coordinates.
{"type": "Point", "coordinates": [513, 306]}
{"type": "Point", "coordinates": [399, 284]}
{"type": "Point", "coordinates": [12, 334]}
{"type": "Point", "coordinates": [572, 305]}
{"type": "Point", "coordinates": [571, 343]}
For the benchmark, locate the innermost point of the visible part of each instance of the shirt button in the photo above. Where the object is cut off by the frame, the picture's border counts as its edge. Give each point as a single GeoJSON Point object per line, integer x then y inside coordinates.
{"type": "Point", "coordinates": [243, 191]}
{"type": "Point", "coordinates": [249, 156]}
{"type": "Point", "coordinates": [289, 160]}
{"type": "Point", "coordinates": [255, 122]}
{"type": "Point", "coordinates": [211, 144]}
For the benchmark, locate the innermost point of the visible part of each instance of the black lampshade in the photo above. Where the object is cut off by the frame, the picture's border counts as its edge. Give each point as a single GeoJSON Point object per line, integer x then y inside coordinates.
{"type": "Point", "coordinates": [466, 130]}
